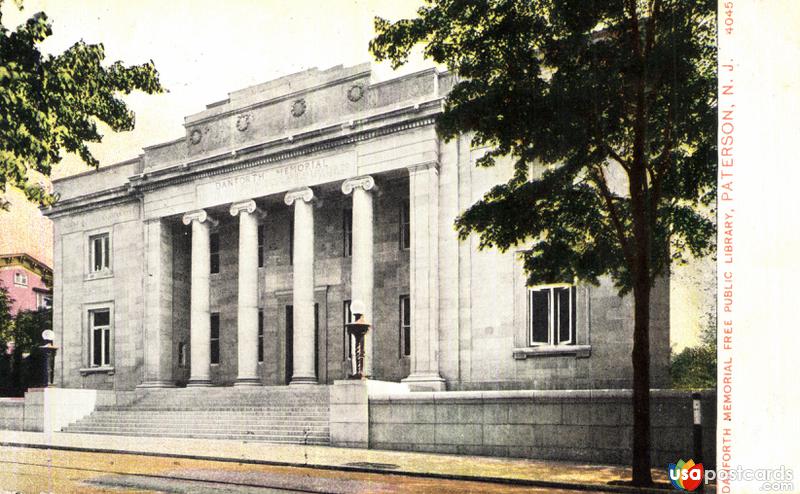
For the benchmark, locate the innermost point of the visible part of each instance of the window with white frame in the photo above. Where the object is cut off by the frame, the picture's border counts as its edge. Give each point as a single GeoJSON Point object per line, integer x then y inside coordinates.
{"type": "Point", "coordinates": [100, 338]}
{"type": "Point", "coordinates": [551, 315]}
{"type": "Point", "coordinates": [99, 253]}
{"type": "Point", "coordinates": [44, 300]}
{"type": "Point", "coordinates": [20, 278]}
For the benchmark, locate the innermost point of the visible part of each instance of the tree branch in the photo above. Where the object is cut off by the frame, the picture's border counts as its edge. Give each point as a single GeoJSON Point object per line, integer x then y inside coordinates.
{"type": "Point", "coordinates": [602, 185]}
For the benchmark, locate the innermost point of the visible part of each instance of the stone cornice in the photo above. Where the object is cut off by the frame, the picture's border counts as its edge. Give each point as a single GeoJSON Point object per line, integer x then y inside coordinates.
{"type": "Point", "coordinates": [237, 160]}
{"type": "Point", "coordinates": [108, 197]}
{"type": "Point", "coordinates": [313, 141]}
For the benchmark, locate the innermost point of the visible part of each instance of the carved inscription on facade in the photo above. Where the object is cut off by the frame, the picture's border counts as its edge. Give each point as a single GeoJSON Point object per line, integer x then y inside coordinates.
{"type": "Point", "coordinates": [276, 178]}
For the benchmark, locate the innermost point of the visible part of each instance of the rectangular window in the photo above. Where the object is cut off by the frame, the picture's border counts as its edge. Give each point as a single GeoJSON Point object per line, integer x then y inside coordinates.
{"type": "Point", "coordinates": [182, 354]}
{"type": "Point", "coordinates": [99, 253]}
{"type": "Point", "coordinates": [405, 325]}
{"type": "Point", "coordinates": [551, 315]}
{"type": "Point", "coordinates": [347, 317]}
{"type": "Point", "coordinates": [44, 300]}
{"type": "Point", "coordinates": [20, 278]}
{"type": "Point", "coordinates": [291, 240]}
{"type": "Point", "coordinates": [214, 252]}
{"type": "Point", "coordinates": [261, 235]}
{"type": "Point", "coordinates": [347, 232]}
{"type": "Point", "coordinates": [215, 337]}
{"type": "Point", "coordinates": [261, 336]}
{"type": "Point", "coordinates": [100, 338]}
{"type": "Point", "coordinates": [405, 226]}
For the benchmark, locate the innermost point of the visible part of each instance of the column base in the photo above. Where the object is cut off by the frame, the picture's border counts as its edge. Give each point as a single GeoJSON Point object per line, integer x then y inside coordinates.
{"type": "Point", "coordinates": [199, 383]}
{"type": "Point", "coordinates": [425, 382]}
{"type": "Point", "coordinates": [156, 384]}
{"type": "Point", "coordinates": [247, 382]}
{"type": "Point", "coordinates": [303, 381]}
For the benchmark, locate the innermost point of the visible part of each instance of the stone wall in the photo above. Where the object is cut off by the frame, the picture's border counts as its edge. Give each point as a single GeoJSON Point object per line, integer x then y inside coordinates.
{"type": "Point", "coordinates": [589, 425]}
{"type": "Point", "coordinates": [12, 413]}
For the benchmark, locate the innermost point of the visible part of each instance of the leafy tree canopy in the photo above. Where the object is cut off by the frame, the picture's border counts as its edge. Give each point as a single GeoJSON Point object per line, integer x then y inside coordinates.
{"type": "Point", "coordinates": [615, 99]}
{"type": "Point", "coordinates": [52, 103]}
{"type": "Point", "coordinates": [608, 111]}
{"type": "Point", "coordinates": [26, 331]}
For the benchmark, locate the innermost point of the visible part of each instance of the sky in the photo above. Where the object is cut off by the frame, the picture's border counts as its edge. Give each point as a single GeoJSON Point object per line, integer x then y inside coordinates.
{"type": "Point", "coordinates": [203, 50]}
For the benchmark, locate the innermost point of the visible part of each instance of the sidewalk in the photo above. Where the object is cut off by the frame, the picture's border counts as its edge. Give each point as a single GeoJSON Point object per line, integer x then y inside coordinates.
{"type": "Point", "coordinates": [477, 468]}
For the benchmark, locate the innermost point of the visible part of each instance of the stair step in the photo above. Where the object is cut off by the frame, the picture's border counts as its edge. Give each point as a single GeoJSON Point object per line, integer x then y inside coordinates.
{"type": "Point", "coordinates": [256, 438]}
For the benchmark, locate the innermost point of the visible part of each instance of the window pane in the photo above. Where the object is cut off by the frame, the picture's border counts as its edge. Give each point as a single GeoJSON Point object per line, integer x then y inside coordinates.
{"type": "Point", "coordinates": [106, 252]}
{"type": "Point", "coordinates": [101, 318]}
{"type": "Point", "coordinates": [260, 336]}
{"type": "Point", "coordinates": [405, 226]}
{"type": "Point", "coordinates": [540, 311]}
{"type": "Point", "coordinates": [215, 325]}
{"type": "Point", "coordinates": [261, 234]}
{"type": "Point", "coordinates": [347, 317]}
{"type": "Point", "coordinates": [106, 347]}
{"type": "Point", "coordinates": [214, 252]}
{"type": "Point", "coordinates": [564, 312]}
{"type": "Point", "coordinates": [291, 240]}
{"type": "Point", "coordinates": [405, 324]}
{"type": "Point", "coordinates": [97, 254]}
{"type": "Point", "coordinates": [97, 347]}
{"type": "Point", "coordinates": [214, 351]}
{"type": "Point", "coordinates": [347, 232]}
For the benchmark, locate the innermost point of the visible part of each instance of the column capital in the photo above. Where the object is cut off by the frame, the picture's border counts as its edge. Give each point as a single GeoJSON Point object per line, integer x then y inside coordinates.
{"type": "Point", "coordinates": [200, 216]}
{"type": "Point", "coordinates": [365, 182]}
{"type": "Point", "coordinates": [248, 206]}
{"type": "Point", "coordinates": [305, 194]}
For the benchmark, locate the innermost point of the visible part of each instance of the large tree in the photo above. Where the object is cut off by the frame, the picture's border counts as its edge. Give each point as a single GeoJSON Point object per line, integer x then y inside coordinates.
{"type": "Point", "coordinates": [608, 111]}
{"type": "Point", "coordinates": [53, 103]}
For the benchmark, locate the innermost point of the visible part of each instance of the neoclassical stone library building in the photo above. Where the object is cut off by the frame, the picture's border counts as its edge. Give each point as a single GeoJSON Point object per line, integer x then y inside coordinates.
{"type": "Point", "coordinates": [230, 256]}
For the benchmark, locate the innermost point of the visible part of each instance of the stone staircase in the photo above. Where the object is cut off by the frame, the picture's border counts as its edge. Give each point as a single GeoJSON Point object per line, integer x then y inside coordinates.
{"type": "Point", "coordinates": [269, 414]}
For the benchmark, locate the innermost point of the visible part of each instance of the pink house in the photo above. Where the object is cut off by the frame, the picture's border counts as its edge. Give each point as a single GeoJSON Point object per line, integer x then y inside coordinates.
{"type": "Point", "coordinates": [27, 280]}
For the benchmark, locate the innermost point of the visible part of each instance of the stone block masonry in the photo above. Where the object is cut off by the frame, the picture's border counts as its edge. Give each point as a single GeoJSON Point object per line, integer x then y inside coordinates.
{"type": "Point", "coordinates": [593, 426]}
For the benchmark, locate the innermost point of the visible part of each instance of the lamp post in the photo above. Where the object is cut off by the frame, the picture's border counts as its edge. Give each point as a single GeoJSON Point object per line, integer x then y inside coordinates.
{"type": "Point", "coordinates": [357, 329]}
{"type": "Point", "coordinates": [49, 350]}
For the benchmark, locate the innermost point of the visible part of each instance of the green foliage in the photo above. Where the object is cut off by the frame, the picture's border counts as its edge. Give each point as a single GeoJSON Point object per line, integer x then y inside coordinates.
{"type": "Point", "coordinates": [52, 103]}
{"type": "Point", "coordinates": [696, 367]}
{"type": "Point", "coordinates": [608, 112]}
{"type": "Point", "coordinates": [6, 321]}
{"type": "Point", "coordinates": [28, 327]}
{"type": "Point", "coordinates": [586, 91]}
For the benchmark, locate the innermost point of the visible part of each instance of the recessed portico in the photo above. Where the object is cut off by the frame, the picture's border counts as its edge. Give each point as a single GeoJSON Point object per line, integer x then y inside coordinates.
{"type": "Point", "coordinates": [285, 281]}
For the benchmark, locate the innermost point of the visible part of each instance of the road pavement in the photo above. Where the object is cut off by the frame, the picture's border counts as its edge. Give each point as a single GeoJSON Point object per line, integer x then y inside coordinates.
{"type": "Point", "coordinates": [29, 470]}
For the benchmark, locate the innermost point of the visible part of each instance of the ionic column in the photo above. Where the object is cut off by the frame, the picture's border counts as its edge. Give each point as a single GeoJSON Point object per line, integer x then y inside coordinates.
{"type": "Point", "coordinates": [362, 284]}
{"type": "Point", "coordinates": [247, 314]}
{"type": "Point", "coordinates": [200, 323]}
{"type": "Point", "coordinates": [303, 371]}
{"type": "Point", "coordinates": [423, 182]}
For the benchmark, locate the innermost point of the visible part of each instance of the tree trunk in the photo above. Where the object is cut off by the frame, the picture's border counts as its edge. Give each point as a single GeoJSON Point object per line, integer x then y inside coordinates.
{"type": "Point", "coordinates": [641, 380]}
